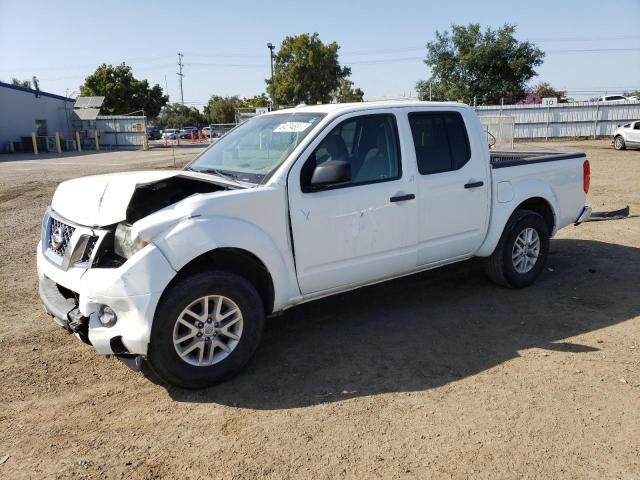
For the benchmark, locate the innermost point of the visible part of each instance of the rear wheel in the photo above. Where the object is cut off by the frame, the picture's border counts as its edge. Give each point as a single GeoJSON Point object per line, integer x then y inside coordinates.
{"type": "Point", "coordinates": [205, 330]}
{"type": "Point", "coordinates": [618, 143]}
{"type": "Point", "coordinates": [522, 251]}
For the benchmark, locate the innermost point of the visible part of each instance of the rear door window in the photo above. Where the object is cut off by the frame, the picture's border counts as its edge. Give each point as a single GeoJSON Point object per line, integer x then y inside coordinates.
{"type": "Point", "coordinates": [440, 140]}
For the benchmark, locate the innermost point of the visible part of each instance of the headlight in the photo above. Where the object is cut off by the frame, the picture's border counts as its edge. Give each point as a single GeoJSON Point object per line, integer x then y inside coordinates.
{"type": "Point", "coordinates": [123, 244]}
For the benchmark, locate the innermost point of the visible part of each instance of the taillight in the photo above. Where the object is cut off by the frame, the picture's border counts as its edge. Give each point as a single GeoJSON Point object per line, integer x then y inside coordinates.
{"type": "Point", "coordinates": [586, 176]}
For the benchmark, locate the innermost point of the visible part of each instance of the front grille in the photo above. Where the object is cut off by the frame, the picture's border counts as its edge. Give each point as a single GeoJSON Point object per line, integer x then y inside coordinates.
{"type": "Point", "coordinates": [68, 245]}
{"type": "Point", "coordinates": [59, 236]}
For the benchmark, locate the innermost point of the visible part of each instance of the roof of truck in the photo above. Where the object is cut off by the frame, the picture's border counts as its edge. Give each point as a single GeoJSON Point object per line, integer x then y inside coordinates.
{"type": "Point", "coordinates": [333, 107]}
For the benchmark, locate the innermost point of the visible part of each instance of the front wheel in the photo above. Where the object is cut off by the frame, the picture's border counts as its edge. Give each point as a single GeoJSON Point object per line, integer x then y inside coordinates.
{"type": "Point", "coordinates": [206, 328]}
{"type": "Point", "coordinates": [618, 143]}
{"type": "Point", "coordinates": [522, 252]}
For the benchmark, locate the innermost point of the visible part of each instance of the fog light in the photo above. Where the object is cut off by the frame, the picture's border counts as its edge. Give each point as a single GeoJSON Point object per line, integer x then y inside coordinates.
{"type": "Point", "coordinates": [107, 316]}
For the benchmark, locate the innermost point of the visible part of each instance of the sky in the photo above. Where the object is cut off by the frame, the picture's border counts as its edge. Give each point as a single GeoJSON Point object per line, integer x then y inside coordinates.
{"type": "Point", "coordinates": [592, 47]}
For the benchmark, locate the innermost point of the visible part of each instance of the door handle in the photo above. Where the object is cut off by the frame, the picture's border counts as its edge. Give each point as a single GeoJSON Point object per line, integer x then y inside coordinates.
{"type": "Point", "coordinates": [473, 184]}
{"type": "Point", "coordinates": [402, 198]}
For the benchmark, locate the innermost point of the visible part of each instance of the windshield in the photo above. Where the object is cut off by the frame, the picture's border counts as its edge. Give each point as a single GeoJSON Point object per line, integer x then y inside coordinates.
{"type": "Point", "coordinates": [255, 148]}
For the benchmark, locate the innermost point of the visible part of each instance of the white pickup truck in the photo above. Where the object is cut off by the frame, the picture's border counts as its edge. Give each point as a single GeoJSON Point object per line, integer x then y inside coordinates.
{"type": "Point", "coordinates": [177, 270]}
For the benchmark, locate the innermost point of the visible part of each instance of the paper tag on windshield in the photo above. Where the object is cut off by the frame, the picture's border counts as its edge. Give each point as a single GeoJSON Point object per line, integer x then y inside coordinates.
{"type": "Point", "coordinates": [293, 127]}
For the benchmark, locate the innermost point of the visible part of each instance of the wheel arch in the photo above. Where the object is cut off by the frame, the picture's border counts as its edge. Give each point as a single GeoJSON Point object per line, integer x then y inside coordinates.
{"type": "Point", "coordinates": [539, 203]}
{"type": "Point", "coordinates": [233, 260]}
{"type": "Point", "coordinates": [543, 208]}
{"type": "Point", "coordinates": [234, 241]}
{"type": "Point", "coordinates": [624, 141]}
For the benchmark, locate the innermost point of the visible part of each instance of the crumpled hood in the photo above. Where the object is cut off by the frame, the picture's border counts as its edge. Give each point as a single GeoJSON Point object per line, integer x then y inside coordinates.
{"type": "Point", "coordinates": [101, 200]}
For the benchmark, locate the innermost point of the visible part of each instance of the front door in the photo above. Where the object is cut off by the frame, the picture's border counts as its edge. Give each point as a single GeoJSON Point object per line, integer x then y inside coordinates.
{"type": "Point", "coordinates": [361, 230]}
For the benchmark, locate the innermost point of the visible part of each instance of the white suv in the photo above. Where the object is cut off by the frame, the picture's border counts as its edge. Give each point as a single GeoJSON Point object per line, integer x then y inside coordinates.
{"type": "Point", "coordinates": [627, 136]}
{"type": "Point", "coordinates": [617, 98]}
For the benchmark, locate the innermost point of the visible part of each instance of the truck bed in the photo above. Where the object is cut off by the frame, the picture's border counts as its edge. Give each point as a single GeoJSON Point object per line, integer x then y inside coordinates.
{"type": "Point", "coordinates": [513, 159]}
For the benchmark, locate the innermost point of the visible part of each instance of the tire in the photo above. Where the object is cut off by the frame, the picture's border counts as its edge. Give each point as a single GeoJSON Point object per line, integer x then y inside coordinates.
{"type": "Point", "coordinates": [175, 313]}
{"type": "Point", "coordinates": [618, 143]}
{"type": "Point", "coordinates": [511, 269]}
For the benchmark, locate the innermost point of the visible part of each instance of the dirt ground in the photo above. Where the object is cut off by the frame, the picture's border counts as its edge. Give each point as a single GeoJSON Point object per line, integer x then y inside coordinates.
{"type": "Point", "coordinates": [438, 375]}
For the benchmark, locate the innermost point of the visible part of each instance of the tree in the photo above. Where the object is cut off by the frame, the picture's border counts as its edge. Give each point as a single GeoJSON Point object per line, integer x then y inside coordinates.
{"type": "Point", "coordinates": [469, 63]}
{"type": "Point", "coordinates": [536, 93]}
{"type": "Point", "coordinates": [176, 115]}
{"type": "Point", "coordinates": [306, 71]}
{"type": "Point", "coordinates": [543, 89]}
{"type": "Point", "coordinates": [221, 109]}
{"type": "Point", "coordinates": [256, 101]}
{"type": "Point", "coordinates": [21, 83]}
{"type": "Point", "coordinates": [224, 109]}
{"type": "Point", "coordinates": [122, 92]}
{"type": "Point", "coordinates": [346, 93]}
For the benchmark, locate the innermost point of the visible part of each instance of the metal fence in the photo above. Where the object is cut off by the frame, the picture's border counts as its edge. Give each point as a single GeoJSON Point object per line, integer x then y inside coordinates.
{"type": "Point", "coordinates": [578, 119]}
{"type": "Point", "coordinates": [499, 131]}
{"type": "Point", "coordinates": [121, 130]}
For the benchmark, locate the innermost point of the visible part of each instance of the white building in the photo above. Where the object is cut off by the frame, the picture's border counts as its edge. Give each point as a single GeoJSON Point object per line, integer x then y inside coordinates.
{"type": "Point", "coordinates": [24, 110]}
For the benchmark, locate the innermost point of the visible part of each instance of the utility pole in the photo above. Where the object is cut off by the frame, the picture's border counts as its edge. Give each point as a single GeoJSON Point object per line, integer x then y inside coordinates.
{"type": "Point", "coordinates": [271, 46]}
{"type": "Point", "coordinates": [180, 75]}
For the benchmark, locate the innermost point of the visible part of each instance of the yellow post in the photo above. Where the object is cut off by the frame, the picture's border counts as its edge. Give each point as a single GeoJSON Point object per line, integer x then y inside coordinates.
{"type": "Point", "coordinates": [58, 147]}
{"type": "Point", "coordinates": [78, 141]}
{"type": "Point", "coordinates": [35, 144]}
{"type": "Point", "coordinates": [97, 140]}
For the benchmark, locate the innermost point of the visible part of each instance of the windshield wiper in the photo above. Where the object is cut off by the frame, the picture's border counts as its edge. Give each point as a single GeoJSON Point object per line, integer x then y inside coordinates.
{"type": "Point", "coordinates": [224, 174]}
{"type": "Point", "coordinates": [220, 173]}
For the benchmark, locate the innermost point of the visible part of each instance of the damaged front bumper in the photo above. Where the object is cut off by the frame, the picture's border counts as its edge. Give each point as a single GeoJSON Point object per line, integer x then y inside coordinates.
{"type": "Point", "coordinates": [75, 296]}
{"type": "Point", "coordinates": [63, 310]}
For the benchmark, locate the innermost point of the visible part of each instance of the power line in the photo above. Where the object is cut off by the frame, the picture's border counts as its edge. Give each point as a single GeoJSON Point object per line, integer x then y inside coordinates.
{"type": "Point", "coordinates": [224, 55]}
{"type": "Point", "coordinates": [180, 75]}
{"type": "Point", "coordinates": [539, 40]}
{"type": "Point", "coordinates": [594, 50]}
{"type": "Point", "coordinates": [207, 64]}
{"type": "Point", "coordinates": [586, 39]}
{"type": "Point", "coordinates": [413, 59]}
{"type": "Point", "coordinates": [143, 60]}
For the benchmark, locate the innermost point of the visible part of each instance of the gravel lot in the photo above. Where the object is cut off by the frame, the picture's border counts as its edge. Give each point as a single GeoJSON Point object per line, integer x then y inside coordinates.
{"type": "Point", "coordinates": [438, 375]}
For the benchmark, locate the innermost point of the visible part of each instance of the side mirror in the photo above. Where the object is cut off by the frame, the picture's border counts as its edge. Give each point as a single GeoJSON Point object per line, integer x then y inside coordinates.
{"type": "Point", "coordinates": [331, 172]}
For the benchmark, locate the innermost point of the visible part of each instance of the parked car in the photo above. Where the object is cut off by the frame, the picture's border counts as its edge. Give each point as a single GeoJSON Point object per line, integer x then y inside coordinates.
{"type": "Point", "coordinates": [178, 269]}
{"type": "Point", "coordinates": [616, 98]}
{"type": "Point", "coordinates": [209, 132]}
{"type": "Point", "coordinates": [186, 132]}
{"type": "Point", "coordinates": [170, 134]}
{"type": "Point", "coordinates": [627, 136]}
{"type": "Point", "coordinates": [154, 133]}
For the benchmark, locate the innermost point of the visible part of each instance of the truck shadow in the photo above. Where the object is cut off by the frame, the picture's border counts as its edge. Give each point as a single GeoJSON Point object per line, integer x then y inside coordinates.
{"type": "Point", "coordinates": [431, 329]}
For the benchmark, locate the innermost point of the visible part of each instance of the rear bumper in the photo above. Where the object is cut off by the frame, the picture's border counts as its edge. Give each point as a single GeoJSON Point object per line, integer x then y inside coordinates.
{"type": "Point", "coordinates": [584, 215]}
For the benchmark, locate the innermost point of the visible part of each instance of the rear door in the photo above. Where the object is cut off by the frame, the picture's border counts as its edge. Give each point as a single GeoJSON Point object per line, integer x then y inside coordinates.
{"type": "Point", "coordinates": [452, 185]}
{"type": "Point", "coordinates": [359, 231]}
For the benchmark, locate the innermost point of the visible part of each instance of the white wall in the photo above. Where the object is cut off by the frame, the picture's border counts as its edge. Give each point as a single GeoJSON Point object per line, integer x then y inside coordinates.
{"type": "Point", "coordinates": [19, 111]}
